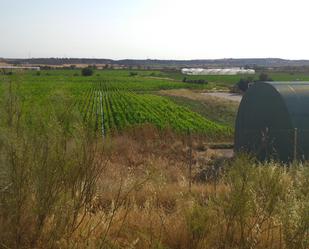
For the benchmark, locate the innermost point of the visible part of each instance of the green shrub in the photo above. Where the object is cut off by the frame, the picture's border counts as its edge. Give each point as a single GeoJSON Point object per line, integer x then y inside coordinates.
{"type": "Point", "coordinates": [263, 206]}
{"type": "Point", "coordinates": [264, 77]}
{"type": "Point", "coordinates": [133, 74]}
{"type": "Point", "coordinates": [87, 71]}
{"type": "Point", "coordinates": [48, 173]}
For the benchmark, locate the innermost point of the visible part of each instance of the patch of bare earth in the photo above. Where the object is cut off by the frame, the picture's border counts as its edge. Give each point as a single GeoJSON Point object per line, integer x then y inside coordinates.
{"type": "Point", "coordinates": [219, 110]}
{"type": "Point", "coordinates": [194, 95]}
{"type": "Point", "coordinates": [224, 95]}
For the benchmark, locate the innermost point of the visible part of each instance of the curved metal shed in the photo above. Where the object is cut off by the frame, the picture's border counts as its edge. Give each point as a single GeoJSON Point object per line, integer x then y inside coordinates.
{"type": "Point", "coordinates": [273, 121]}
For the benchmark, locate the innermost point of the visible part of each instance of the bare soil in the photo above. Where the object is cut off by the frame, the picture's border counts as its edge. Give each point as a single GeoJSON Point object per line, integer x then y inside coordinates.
{"type": "Point", "coordinates": [225, 95]}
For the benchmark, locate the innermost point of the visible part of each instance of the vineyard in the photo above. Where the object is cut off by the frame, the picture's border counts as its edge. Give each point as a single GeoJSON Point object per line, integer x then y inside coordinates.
{"type": "Point", "coordinates": [109, 108]}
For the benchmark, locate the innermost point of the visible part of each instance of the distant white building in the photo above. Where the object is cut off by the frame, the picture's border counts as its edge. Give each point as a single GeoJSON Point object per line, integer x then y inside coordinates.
{"type": "Point", "coordinates": [217, 71]}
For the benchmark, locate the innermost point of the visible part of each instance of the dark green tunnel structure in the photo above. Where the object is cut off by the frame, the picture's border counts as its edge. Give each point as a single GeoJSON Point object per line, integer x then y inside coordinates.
{"type": "Point", "coordinates": [273, 121]}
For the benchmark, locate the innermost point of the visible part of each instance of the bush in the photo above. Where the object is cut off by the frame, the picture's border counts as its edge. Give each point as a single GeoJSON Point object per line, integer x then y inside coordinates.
{"type": "Point", "coordinates": [87, 71]}
{"type": "Point", "coordinates": [9, 73]}
{"type": "Point", "coordinates": [264, 77]}
{"type": "Point", "coordinates": [133, 74]}
{"type": "Point", "coordinates": [243, 84]}
{"type": "Point", "coordinates": [51, 178]}
{"type": "Point", "coordinates": [263, 206]}
{"type": "Point", "coordinates": [194, 81]}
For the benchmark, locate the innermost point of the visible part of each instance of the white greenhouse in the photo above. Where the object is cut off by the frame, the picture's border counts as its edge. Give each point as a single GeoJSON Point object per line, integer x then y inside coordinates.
{"type": "Point", "coordinates": [217, 71]}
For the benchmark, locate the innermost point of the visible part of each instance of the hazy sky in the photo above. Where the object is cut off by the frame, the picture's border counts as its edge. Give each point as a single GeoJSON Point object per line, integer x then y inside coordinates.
{"type": "Point", "coordinates": [162, 29]}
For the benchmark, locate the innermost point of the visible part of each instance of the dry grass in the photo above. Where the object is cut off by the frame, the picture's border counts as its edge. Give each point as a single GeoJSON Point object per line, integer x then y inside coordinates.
{"type": "Point", "coordinates": [146, 195]}
{"type": "Point", "coordinates": [142, 200]}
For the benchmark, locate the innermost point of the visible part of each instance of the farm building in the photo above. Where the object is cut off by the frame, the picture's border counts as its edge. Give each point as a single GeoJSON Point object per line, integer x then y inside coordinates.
{"type": "Point", "coordinates": [217, 71]}
{"type": "Point", "coordinates": [273, 121]}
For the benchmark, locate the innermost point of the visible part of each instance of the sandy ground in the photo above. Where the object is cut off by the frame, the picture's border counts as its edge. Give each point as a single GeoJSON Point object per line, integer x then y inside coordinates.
{"type": "Point", "coordinates": [228, 153]}
{"type": "Point", "coordinates": [213, 97]}
{"type": "Point", "coordinates": [225, 95]}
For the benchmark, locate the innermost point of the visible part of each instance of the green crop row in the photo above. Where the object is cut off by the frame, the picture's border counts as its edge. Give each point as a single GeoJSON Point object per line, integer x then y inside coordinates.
{"type": "Point", "coordinates": [109, 109]}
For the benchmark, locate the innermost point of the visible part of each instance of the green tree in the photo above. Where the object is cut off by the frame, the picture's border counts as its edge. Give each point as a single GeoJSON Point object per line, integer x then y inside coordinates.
{"type": "Point", "coordinates": [87, 71]}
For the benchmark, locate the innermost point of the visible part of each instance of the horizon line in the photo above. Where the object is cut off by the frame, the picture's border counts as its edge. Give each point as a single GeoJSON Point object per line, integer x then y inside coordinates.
{"type": "Point", "coordinates": [154, 59]}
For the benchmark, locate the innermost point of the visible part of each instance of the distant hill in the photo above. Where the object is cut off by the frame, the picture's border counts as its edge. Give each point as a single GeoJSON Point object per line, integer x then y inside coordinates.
{"type": "Point", "coordinates": [248, 62]}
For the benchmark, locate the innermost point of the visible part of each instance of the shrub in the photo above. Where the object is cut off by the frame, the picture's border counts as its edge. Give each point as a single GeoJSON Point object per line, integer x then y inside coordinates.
{"type": "Point", "coordinates": [47, 175]}
{"type": "Point", "coordinates": [133, 74]}
{"type": "Point", "coordinates": [263, 206]}
{"type": "Point", "coordinates": [243, 84]}
{"type": "Point", "coordinates": [264, 77]}
{"type": "Point", "coordinates": [87, 71]}
{"type": "Point", "coordinates": [194, 81]}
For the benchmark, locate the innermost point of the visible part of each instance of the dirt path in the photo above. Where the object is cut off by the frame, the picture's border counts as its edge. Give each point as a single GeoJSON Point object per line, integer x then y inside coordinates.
{"type": "Point", "coordinates": [160, 78]}
{"type": "Point", "coordinates": [225, 95]}
{"type": "Point", "coordinates": [214, 97]}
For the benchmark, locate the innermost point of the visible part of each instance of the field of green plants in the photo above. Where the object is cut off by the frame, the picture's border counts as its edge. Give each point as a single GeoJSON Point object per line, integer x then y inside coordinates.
{"type": "Point", "coordinates": [113, 100]}
{"type": "Point", "coordinates": [112, 108]}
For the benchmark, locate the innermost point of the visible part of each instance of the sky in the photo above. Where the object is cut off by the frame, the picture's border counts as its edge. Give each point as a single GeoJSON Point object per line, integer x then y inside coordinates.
{"type": "Point", "coordinates": [154, 29]}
